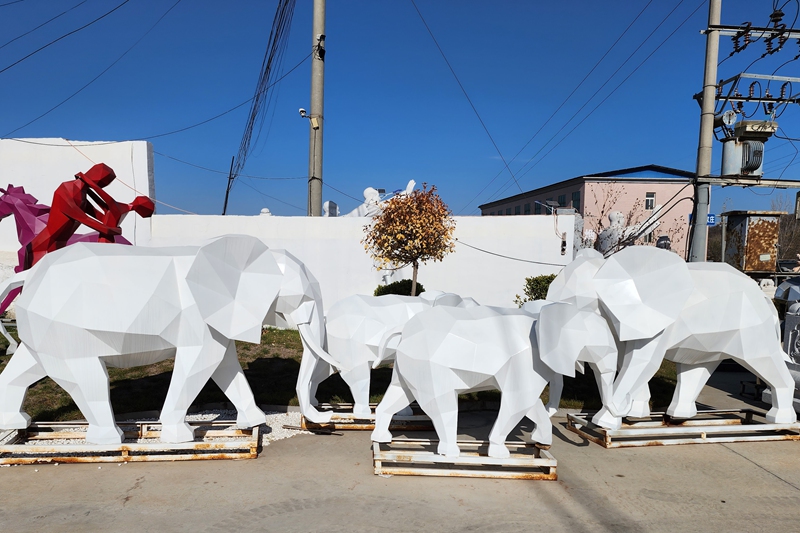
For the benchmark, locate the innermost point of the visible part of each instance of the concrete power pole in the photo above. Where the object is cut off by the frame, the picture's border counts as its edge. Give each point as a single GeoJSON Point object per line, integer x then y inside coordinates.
{"type": "Point", "coordinates": [708, 103]}
{"type": "Point", "coordinates": [315, 118]}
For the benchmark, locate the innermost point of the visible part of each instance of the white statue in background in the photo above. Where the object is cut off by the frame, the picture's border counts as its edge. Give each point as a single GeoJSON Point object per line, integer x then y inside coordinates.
{"type": "Point", "coordinates": [617, 232]}
{"type": "Point", "coordinates": [373, 203]}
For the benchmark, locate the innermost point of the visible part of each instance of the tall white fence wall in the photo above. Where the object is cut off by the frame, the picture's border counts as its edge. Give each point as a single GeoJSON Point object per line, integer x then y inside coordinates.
{"type": "Point", "coordinates": [513, 248]}
{"type": "Point", "coordinates": [41, 165]}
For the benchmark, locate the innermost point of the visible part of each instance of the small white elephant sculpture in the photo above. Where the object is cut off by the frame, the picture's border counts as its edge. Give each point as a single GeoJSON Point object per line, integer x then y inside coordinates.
{"type": "Point", "coordinates": [354, 328]}
{"type": "Point", "coordinates": [90, 306]}
{"type": "Point", "coordinates": [446, 351]}
{"type": "Point", "coordinates": [657, 307]}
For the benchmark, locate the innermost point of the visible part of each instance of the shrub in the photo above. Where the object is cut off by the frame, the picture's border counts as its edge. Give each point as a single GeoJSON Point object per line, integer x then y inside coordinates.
{"type": "Point", "coordinates": [402, 287]}
{"type": "Point", "coordinates": [535, 288]}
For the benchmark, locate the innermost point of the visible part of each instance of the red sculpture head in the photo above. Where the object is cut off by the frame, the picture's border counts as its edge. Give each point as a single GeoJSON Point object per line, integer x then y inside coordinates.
{"type": "Point", "coordinates": [101, 174]}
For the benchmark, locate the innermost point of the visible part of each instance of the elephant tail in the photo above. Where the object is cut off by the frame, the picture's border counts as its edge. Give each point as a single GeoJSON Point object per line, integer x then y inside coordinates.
{"type": "Point", "coordinates": [383, 350]}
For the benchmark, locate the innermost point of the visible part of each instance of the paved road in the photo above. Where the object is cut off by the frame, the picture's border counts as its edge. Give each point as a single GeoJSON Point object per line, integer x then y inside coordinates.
{"type": "Point", "coordinates": [325, 483]}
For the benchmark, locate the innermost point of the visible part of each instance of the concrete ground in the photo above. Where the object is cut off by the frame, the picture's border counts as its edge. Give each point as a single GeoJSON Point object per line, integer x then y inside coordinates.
{"type": "Point", "coordinates": [325, 483]}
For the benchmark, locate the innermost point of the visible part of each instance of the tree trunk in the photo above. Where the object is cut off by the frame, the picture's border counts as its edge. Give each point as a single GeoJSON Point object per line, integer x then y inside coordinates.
{"type": "Point", "coordinates": [415, 265]}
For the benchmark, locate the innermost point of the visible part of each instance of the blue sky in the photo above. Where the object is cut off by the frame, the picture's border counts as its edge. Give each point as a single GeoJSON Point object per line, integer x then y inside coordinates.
{"type": "Point", "coordinates": [393, 109]}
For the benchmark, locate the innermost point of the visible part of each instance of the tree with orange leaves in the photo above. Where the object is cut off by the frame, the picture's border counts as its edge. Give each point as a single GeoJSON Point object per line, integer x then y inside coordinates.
{"type": "Point", "coordinates": [412, 228]}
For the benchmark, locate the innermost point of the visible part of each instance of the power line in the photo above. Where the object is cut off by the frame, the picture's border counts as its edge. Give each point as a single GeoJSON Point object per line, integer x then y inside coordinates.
{"type": "Point", "coordinates": [42, 24]}
{"type": "Point", "coordinates": [271, 197]}
{"type": "Point", "coordinates": [607, 96]}
{"type": "Point", "coordinates": [326, 184]}
{"type": "Point", "coordinates": [9, 3]}
{"type": "Point", "coordinates": [225, 172]}
{"type": "Point", "coordinates": [70, 97]}
{"type": "Point", "coordinates": [17, 62]}
{"type": "Point", "coordinates": [546, 122]}
{"type": "Point", "coordinates": [465, 94]}
{"type": "Point", "coordinates": [508, 257]}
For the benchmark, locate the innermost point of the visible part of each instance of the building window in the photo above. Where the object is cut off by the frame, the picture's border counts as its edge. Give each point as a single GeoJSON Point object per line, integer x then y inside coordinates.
{"type": "Point", "coordinates": [648, 238]}
{"type": "Point", "coordinates": [517, 210]}
{"type": "Point", "coordinates": [562, 200]}
{"type": "Point", "coordinates": [491, 214]}
{"type": "Point", "coordinates": [650, 201]}
{"type": "Point", "coordinates": [508, 211]}
{"type": "Point", "coordinates": [537, 208]}
{"type": "Point", "coordinates": [576, 200]}
{"type": "Point", "coordinates": [527, 209]}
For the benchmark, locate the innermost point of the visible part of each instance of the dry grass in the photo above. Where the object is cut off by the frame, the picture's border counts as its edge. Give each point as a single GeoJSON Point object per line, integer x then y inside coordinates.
{"type": "Point", "coordinates": [271, 369]}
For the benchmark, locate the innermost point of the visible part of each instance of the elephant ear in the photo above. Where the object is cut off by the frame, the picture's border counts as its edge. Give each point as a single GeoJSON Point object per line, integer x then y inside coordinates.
{"type": "Point", "coordinates": [234, 280]}
{"type": "Point", "coordinates": [643, 289]}
{"type": "Point", "coordinates": [568, 336]}
{"type": "Point", "coordinates": [574, 283]}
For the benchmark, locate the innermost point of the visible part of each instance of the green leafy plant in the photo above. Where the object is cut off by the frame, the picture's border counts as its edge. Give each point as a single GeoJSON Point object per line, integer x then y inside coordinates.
{"type": "Point", "coordinates": [535, 288]}
{"type": "Point", "coordinates": [401, 287]}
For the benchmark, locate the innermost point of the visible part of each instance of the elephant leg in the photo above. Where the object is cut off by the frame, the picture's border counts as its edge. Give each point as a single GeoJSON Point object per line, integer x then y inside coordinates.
{"type": "Point", "coordinates": [543, 433]}
{"type": "Point", "coordinates": [357, 378]}
{"type": "Point", "coordinates": [520, 395]}
{"type": "Point", "coordinates": [321, 372]}
{"type": "Point", "coordinates": [13, 345]}
{"type": "Point", "coordinates": [554, 398]}
{"type": "Point", "coordinates": [443, 412]}
{"type": "Point", "coordinates": [308, 366]}
{"type": "Point", "coordinates": [194, 366]}
{"type": "Point", "coordinates": [396, 398]}
{"type": "Point", "coordinates": [231, 380]}
{"type": "Point", "coordinates": [775, 373]}
{"type": "Point", "coordinates": [22, 371]}
{"type": "Point", "coordinates": [640, 401]}
{"type": "Point", "coordinates": [642, 361]}
{"type": "Point", "coordinates": [605, 383]}
{"type": "Point", "coordinates": [691, 380]}
{"type": "Point", "coordinates": [86, 381]}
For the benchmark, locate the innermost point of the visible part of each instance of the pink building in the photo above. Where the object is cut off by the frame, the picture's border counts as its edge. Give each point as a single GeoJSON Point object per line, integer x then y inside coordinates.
{"type": "Point", "coordinates": [635, 192]}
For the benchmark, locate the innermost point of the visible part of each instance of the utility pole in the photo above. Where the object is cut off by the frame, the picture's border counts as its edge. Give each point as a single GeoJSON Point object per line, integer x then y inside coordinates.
{"type": "Point", "coordinates": [316, 116]}
{"type": "Point", "coordinates": [702, 191]}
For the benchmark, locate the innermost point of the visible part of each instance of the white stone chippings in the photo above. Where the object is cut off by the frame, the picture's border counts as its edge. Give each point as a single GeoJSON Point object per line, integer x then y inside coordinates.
{"type": "Point", "coordinates": [90, 306]}
{"type": "Point", "coordinates": [659, 307]}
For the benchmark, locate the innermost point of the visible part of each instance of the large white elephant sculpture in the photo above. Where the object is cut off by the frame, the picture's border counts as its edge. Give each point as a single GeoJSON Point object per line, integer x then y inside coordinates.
{"type": "Point", "coordinates": [90, 306]}
{"type": "Point", "coordinates": [446, 351]}
{"type": "Point", "coordinates": [354, 328]}
{"type": "Point", "coordinates": [695, 314]}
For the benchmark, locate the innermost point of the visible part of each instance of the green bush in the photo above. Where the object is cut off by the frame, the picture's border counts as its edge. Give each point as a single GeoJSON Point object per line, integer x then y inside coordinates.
{"type": "Point", "coordinates": [535, 288]}
{"type": "Point", "coordinates": [402, 287]}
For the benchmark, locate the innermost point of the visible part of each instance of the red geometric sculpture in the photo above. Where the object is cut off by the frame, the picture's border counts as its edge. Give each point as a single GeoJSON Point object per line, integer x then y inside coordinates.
{"type": "Point", "coordinates": [71, 207]}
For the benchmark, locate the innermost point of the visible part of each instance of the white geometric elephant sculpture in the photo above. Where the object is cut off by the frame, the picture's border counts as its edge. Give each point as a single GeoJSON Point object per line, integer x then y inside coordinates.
{"type": "Point", "coordinates": [446, 351]}
{"type": "Point", "coordinates": [355, 327]}
{"type": "Point", "coordinates": [90, 306]}
{"type": "Point", "coordinates": [695, 314]}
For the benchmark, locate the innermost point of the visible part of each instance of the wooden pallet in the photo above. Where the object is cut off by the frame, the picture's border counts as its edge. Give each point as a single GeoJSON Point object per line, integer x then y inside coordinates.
{"type": "Point", "coordinates": [709, 426]}
{"type": "Point", "coordinates": [22, 446]}
{"type": "Point", "coordinates": [418, 457]}
{"type": "Point", "coordinates": [344, 419]}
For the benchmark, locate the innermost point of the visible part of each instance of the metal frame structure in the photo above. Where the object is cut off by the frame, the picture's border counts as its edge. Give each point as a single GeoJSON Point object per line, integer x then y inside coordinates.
{"type": "Point", "coordinates": [26, 446]}
{"type": "Point", "coordinates": [711, 426]}
{"type": "Point", "coordinates": [344, 419]}
{"type": "Point", "coordinates": [417, 457]}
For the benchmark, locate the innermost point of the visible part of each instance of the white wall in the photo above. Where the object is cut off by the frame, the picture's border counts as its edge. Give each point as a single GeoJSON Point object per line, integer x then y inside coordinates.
{"type": "Point", "coordinates": [40, 165]}
{"type": "Point", "coordinates": [331, 248]}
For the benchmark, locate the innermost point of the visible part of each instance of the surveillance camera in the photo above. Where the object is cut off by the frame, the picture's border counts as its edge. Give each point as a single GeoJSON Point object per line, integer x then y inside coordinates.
{"type": "Point", "coordinates": [302, 112]}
